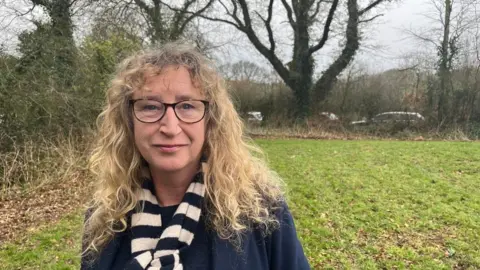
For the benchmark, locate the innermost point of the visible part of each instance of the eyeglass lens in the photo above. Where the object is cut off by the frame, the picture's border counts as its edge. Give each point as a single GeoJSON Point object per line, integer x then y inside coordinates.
{"type": "Point", "coordinates": [152, 110]}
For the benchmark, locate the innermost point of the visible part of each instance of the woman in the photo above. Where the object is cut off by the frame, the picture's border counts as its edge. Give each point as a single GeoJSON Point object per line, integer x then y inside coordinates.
{"type": "Point", "coordinates": [178, 185]}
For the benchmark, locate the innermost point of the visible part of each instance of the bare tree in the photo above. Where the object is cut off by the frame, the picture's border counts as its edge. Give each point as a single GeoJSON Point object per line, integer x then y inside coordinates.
{"type": "Point", "coordinates": [161, 24]}
{"type": "Point", "coordinates": [465, 99]}
{"type": "Point", "coordinates": [304, 17]}
{"type": "Point", "coordinates": [447, 51]}
{"type": "Point", "coordinates": [451, 22]}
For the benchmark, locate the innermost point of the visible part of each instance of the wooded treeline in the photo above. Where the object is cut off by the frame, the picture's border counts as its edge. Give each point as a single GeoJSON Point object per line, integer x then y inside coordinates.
{"type": "Point", "coordinates": [53, 82]}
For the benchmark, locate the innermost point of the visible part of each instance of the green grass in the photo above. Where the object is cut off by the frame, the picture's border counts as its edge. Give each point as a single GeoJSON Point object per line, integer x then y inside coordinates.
{"type": "Point", "coordinates": [357, 205]}
{"type": "Point", "coordinates": [383, 205]}
{"type": "Point", "coordinates": [52, 247]}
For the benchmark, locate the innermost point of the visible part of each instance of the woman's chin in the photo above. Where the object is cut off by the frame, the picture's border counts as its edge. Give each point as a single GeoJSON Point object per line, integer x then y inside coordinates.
{"type": "Point", "coordinates": [170, 165]}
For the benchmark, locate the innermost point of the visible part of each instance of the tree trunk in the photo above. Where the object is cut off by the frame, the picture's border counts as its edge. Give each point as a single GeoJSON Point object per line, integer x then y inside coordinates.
{"type": "Point", "coordinates": [444, 69]}
{"type": "Point", "coordinates": [62, 33]}
{"type": "Point", "coordinates": [346, 92]}
{"type": "Point", "coordinates": [324, 85]}
{"type": "Point", "coordinates": [159, 34]}
{"type": "Point", "coordinates": [301, 68]}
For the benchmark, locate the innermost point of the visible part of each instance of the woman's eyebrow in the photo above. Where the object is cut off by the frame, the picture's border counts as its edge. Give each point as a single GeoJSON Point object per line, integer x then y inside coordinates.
{"type": "Point", "coordinates": [184, 97]}
{"type": "Point", "coordinates": [181, 97]}
{"type": "Point", "coordinates": [151, 97]}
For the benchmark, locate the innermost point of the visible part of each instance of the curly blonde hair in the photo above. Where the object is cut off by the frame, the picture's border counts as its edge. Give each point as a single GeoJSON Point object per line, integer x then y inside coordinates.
{"type": "Point", "coordinates": [241, 190]}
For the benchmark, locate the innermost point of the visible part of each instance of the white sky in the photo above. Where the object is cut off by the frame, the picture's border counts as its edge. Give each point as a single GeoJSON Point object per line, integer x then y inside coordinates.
{"type": "Point", "coordinates": [391, 37]}
{"type": "Point", "coordinates": [386, 40]}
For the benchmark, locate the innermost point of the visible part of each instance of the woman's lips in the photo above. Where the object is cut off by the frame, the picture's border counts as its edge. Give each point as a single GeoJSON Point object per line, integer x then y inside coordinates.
{"type": "Point", "coordinates": [169, 148]}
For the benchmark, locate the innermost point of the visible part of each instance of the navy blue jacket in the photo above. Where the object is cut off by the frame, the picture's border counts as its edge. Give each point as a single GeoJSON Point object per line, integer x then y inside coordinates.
{"type": "Point", "coordinates": [281, 250]}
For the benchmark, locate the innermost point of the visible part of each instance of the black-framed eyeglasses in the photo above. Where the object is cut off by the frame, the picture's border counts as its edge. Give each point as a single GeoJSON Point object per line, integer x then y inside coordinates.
{"type": "Point", "coordinates": [187, 111]}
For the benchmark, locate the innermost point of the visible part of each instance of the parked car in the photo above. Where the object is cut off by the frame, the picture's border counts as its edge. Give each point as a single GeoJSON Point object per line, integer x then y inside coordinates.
{"type": "Point", "coordinates": [391, 117]}
{"type": "Point", "coordinates": [254, 117]}
{"type": "Point", "coordinates": [328, 116]}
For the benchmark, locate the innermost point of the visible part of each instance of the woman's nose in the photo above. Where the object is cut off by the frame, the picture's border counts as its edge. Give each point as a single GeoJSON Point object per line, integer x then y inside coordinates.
{"type": "Point", "coordinates": [169, 123]}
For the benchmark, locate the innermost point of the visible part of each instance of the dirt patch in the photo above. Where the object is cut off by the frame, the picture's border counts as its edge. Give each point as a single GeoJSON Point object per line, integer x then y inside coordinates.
{"type": "Point", "coordinates": [328, 135]}
{"type": "Point", "coordinates": [435, 240]}
{"type": "Point", "coordinates": [23, 211]}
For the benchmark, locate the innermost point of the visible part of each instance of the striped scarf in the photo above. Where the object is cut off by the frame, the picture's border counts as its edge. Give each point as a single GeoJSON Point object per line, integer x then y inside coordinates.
{"type": "Point", "coordinates": [152, 251]}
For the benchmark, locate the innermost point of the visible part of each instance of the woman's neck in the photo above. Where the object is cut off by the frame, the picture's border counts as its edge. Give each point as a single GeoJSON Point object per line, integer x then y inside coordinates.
{"type": "Point", "coordinates": [170, 187]}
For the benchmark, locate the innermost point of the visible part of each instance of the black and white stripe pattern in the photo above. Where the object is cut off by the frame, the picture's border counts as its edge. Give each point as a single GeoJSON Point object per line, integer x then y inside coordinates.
{"type": "Point", "coordinates": [152, 251]}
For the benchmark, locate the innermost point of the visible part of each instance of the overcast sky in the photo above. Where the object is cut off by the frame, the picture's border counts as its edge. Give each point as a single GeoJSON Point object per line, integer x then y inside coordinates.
{"type": "Point", "coordinates": [391, 37]}
{"type": "Point", "coordinates": [386, 40]}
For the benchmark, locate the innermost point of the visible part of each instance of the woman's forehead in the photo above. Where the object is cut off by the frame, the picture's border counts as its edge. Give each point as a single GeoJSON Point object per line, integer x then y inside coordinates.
{"type": "Point", "coordinates": [173, 83]}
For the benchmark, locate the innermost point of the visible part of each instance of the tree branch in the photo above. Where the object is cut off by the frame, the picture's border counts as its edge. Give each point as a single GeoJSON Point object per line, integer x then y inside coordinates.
{"type": "Point", "coordinates": [326, 28]}
{"type": "Point", "coordinates": [177, 19]}
{"type": "Point", "coordinates": [423, 38]}
{"type": "Point", "coordinates": [315, 13]}
{"type": "Point", "coordinates": [269, 54]}
{"type": "Point", "coordinates": [369, 7]}
{"type": "Point", "coordinates": [41, 2]}
{"type": "Point", "coordinates": [124, 10]}
{"type": "Point", "coordinates": [180, 13]}
{"type": "Point", "coordinates": [28, 11]}
{"type": "Point", "coordinates": [192, 16]}
{"type": "Point", "coordinates": [246, 27]}
{"type": "Point", "coordinates": [143, 6]}
{"type": "Point", "coordinates": [234, 14]}
{"type": "Point", "coordinates": [268, 26]}
{"type": "Point", "coordinates": [371, 19]}
{"type": "Point", "coordinates": [295, 8]}
{"type": "Point", "coordinates": [213, 19]}
{"type": "Point", "coordinates": [73, 2]}
{"type": "Point", "coordinates": [246, 14]}
{"type": "Point", "coordinates": [289, 13]}
{"type": "Point", "coordinates": [324, 85]}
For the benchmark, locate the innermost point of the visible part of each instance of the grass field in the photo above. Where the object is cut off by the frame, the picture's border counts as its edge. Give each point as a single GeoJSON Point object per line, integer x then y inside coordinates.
{"type": "Point", "coordinates": [357, 205]}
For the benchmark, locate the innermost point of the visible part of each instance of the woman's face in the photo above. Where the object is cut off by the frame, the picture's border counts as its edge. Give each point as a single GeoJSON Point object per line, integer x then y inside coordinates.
{"type": "Point", "coordinates": [169, 144]}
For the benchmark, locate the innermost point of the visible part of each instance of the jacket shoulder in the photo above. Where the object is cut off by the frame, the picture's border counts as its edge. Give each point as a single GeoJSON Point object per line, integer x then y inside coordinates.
{"type": "Point", "coordinates": [284, 249]}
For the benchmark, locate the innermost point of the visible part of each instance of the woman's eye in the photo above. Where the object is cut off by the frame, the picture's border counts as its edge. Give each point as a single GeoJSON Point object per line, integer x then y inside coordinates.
{"type": "Point", "coordinates": [186, 106]}
{"type": "Point", "coordinates": [150, 108]}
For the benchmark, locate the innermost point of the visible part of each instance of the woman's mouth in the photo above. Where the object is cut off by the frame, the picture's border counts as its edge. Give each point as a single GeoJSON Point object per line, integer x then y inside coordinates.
{"type": "Point", "coordinates": [169, 148]}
